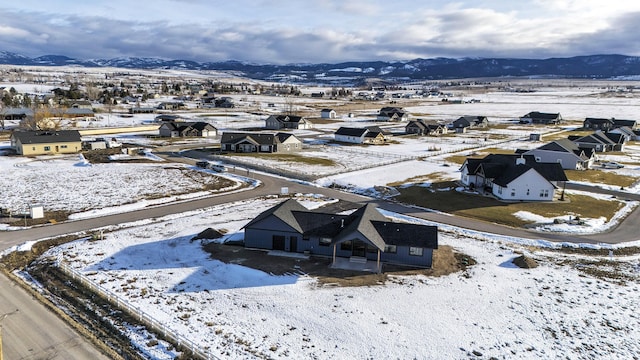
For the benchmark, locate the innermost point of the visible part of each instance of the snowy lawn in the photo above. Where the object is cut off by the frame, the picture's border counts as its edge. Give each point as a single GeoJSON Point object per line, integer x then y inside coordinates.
{"type": "Point", "coordinates": [492, 309]}
{"type": "Point", "coordinates": [71, 184]}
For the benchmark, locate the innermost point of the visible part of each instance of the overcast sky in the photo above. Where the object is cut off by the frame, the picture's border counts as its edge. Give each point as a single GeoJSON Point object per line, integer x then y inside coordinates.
{"type": "Point", "coordinates": [315, 31]}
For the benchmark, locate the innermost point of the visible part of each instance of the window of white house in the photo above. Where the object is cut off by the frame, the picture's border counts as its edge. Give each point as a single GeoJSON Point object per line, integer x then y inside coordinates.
{"type": "Point", "coordinates": [499, 190]}
{"type": "Point", "coordinates": [325, 241]}
{"type": "Point", "coordinates": [47, 148]}
{"type": "Point", "coordinates": [527, 192]}
{"type": "Point", "coordinates": [63, 146]}
{"type": "Point", "coordinates": [390, 249]}
{"type": "Point", "coordinates": [513, 192]}
{"type": "Point", "coordinates": [415, 251]}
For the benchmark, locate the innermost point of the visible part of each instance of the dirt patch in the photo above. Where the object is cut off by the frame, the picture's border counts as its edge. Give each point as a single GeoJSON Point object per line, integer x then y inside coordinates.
{"type": "Point", "coordinates": [525, 262]}
{"type": "Point", "coordinates": [445, 261]}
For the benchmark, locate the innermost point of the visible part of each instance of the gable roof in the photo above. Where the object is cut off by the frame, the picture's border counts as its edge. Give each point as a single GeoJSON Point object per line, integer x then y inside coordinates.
{"type": "Point", "coordinates": [503, 168]}
{"type": "Point", "coordinates": [366, 220]}
{"type": "Point", "coordinates": [628, 123]}
{"type": "Point", "coordinates": [541, 115]}
{"type": "Point", "coordinates": [349, 131]}
{"type": "Point", "coordinates": [46, 137]}
{"type": "Point", "coordinates": [283, 211]}
{"type": "Point", "coordinates": [255, 138]}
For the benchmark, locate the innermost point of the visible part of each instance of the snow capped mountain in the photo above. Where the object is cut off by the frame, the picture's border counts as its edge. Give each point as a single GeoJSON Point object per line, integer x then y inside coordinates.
{"type": "Point", "coordinates": [595, 66]}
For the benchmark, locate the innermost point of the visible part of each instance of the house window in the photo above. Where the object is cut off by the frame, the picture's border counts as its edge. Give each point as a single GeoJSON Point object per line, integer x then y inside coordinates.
{"type": "Point", "coordinates": [513, 192]}
{"type": "Point", "coordinates": [63, 146]}
{"type": "Point", "coordinates": [390, 249]}
{"type": "Point", "coordinates": [324, 241]}
{"type": "Point", "coordinates": [544, 193]}
{"type": "Point", "coordinates": [47, 148]}
{"type": "Point", "coordinates": [500, 190]}
{"type": "Point", "coordinates": [347, 245]}
{"type": "Point", "coordinates": [527, 192]}
{"type": "Point", "coordinates": [415, 251]}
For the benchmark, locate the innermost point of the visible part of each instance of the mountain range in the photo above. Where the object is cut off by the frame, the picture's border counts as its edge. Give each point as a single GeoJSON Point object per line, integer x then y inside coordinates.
{"type": "Point", "coordinates": [588, 67]}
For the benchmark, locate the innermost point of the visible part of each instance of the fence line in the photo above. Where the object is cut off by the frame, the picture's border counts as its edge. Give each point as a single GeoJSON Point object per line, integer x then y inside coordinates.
{"type": "Point", "coordinates": [136, 312]}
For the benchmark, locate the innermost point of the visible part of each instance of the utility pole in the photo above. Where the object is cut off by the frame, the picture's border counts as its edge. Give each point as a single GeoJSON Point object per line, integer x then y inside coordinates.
{"type": "Point", "coordinates": [2, 317]}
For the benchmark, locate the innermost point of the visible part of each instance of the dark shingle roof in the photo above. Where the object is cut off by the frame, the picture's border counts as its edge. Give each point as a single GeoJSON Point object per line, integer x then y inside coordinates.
{"type": "Point", "coordinates": [403, 234]}
{"type": "Point", "coordinates": [349, 131]}
{"type": "Point", "coordinates": [46, 137]}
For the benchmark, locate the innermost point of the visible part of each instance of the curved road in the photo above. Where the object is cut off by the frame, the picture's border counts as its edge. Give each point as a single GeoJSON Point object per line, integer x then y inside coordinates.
{"type": "Point", "coordinates": [34, 333]}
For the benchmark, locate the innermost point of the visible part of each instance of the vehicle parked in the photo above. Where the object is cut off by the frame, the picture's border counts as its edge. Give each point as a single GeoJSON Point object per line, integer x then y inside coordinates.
{"type": "Point", "coordinates": [211, 166]}
{"type": "Point", "coordinates": [612, 165]}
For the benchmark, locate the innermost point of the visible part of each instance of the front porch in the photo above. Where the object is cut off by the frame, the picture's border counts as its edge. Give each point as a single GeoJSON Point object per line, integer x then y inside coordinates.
{"type": "Point", "coordinates": [356, 264]}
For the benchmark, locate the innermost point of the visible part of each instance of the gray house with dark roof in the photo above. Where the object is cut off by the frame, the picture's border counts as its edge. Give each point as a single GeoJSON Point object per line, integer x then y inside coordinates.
{"type": "Point", "coordinates": [259, 142]}
{"type": "Point", "coordinates": [566, 153]}
{"type": "Point", "coordinates": [392, 113]}
{"type": "Point", "coordinates": [536, 117]}
{"type": "Point", "coordinates": [365, 234]}
{"type": "Point", "coordinates": [187, 129]}
{"type": "Point", "coordinates": [513, 177]}
{"type": "Point", "coordinates": [277, 122]}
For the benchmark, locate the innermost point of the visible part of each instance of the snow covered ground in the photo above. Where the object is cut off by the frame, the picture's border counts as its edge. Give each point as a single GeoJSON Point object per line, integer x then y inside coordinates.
{"type": "Point", "coordinates": [557, 310]}
{"type": "Point", "coordinates": [496, 309]}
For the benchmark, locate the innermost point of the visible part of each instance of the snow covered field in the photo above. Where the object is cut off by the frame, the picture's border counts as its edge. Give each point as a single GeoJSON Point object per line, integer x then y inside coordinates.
{"type": "Point", "coordinates": [494, 308]}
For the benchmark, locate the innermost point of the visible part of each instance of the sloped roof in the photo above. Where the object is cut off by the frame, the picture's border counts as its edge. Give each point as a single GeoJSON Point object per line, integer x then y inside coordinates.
{"type": "Point", "coordinates": [564, 145]}
{"type": "Point", "coordinates": [256, 138]}
{"type": "Point", "coordinates": [360, 221]}
{"type": "Point", "coordinates": [366, 220]}
{"type": "Point", "coordinates": [46, 137]}
{"type": "Point", "coordinates": [288, 118]}
{"type": "Point", "coordinates": [628, 123]}
{"type": "Point", "coordinates": [541, 115]}
{"type": "Point", "coordinates": [349, 131]}
{"type": "Point", "coordinates": [404, 234]}
{"type": "Point", "coordinates": [283, 211]}
{"type": "Point", "coordinates": [598, 121]}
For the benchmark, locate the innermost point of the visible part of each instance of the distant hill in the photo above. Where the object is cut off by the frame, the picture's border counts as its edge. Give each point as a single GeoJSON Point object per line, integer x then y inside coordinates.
{"type": "Point", "coordinates": [593, 66]}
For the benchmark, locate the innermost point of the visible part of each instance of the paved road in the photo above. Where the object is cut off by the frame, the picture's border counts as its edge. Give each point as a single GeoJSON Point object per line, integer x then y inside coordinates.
{"type": "Point", "coordinates": [38, 335]}
{"type": "Point", "coordinates": [34, 332]}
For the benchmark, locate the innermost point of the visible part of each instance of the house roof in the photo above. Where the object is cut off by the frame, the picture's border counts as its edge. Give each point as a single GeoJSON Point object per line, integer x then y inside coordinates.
{"type": "Point", "coordinates": [283, 211]}
{"type": "Point", "coordinates": [503, 168]}
{"type": "Point", "coordinates": [628, 123]}
{"type": "Point", "coordinates": [404, 234]}
{"type": "Point", "coordinates": [360, 221]}
{"type": "Point", "coordinates": [541, 115]}
{"type": "Point", "coordinates": [326, 110]}
{"type": "Point", "coordinates": [366, 220]}
{"type": "Point", "coordinates": [349, 131]}
{"type": "Point", "coordinates": [46, 137]}
{"type": "Point", "coordinates": [598, 121]}
{"type": "Point", "coordinates": [16, 111]}
{"type": "Point", "coordinates": [391, 111]}
{"type": "Point", "coordinates": [288, 118]}
{"type": "Point", "coordinates": [256, 138]}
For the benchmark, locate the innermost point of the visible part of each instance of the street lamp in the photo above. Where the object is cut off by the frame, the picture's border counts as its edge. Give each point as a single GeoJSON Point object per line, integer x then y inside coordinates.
{"type": "Point", "coordinates": [1, 319]}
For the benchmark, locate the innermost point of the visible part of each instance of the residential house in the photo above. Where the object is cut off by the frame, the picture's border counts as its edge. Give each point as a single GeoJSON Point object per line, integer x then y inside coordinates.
{"type": "Point", "coordinates": [463, 123]}
{"type": "Point", "coordinates": [392, 114]}
{"type": "Point", "coordinates": [536, 117]}
{"type": "Point", "coordinates": [566, 153]}
{"type": "Point", "coordinates": [31, 143]}
{"type": "Point", "coordinates": [171, 105]}
{"type": "Point", "coordinates": [423, 127]}
{"type": "Point", "coordinates": [81, 104]}
{"type": "Point", "coordinates": [371, 135]}
{"type": "Point", "coordinates": [328, 114]}
{"type": "Point", "coordinates": [16, 113]}
{"type": "Point", "coordinates": [364, 235]}
{"type": "Point", "coordinates": [601, 141]}
{"type": "Point", "coordinates": [513, 177]}
{"type": "Point", "coordinates": [166, 117]}
{"type": "Point", "coordinates": [187, 129]}
{"type": "Point", "coordinates": [224, 102]}
{"type": "Point", "coordinates": [79, 112]}
{"type": "Point", "coordinates": [598, 124]}
{"type": "Point", "coordinates": [625, 131]}
{"type": "Point", "coordinates": [277, 122]}
{"type": "Point", "coordinates": [141, 110]}
{"type": "Point", "coordinates": [260, 142]}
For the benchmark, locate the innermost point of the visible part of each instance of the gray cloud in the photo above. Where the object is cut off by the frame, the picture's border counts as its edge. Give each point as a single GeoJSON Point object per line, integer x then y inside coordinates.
{"type": "Point", "coordinates": [456, 33]}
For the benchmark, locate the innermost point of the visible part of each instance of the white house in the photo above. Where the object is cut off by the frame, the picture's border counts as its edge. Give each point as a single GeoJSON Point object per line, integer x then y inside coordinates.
{"type": "Point", "coordinates": [513, 177]}
{"type": "Point", "coordinates": [350, 135]}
